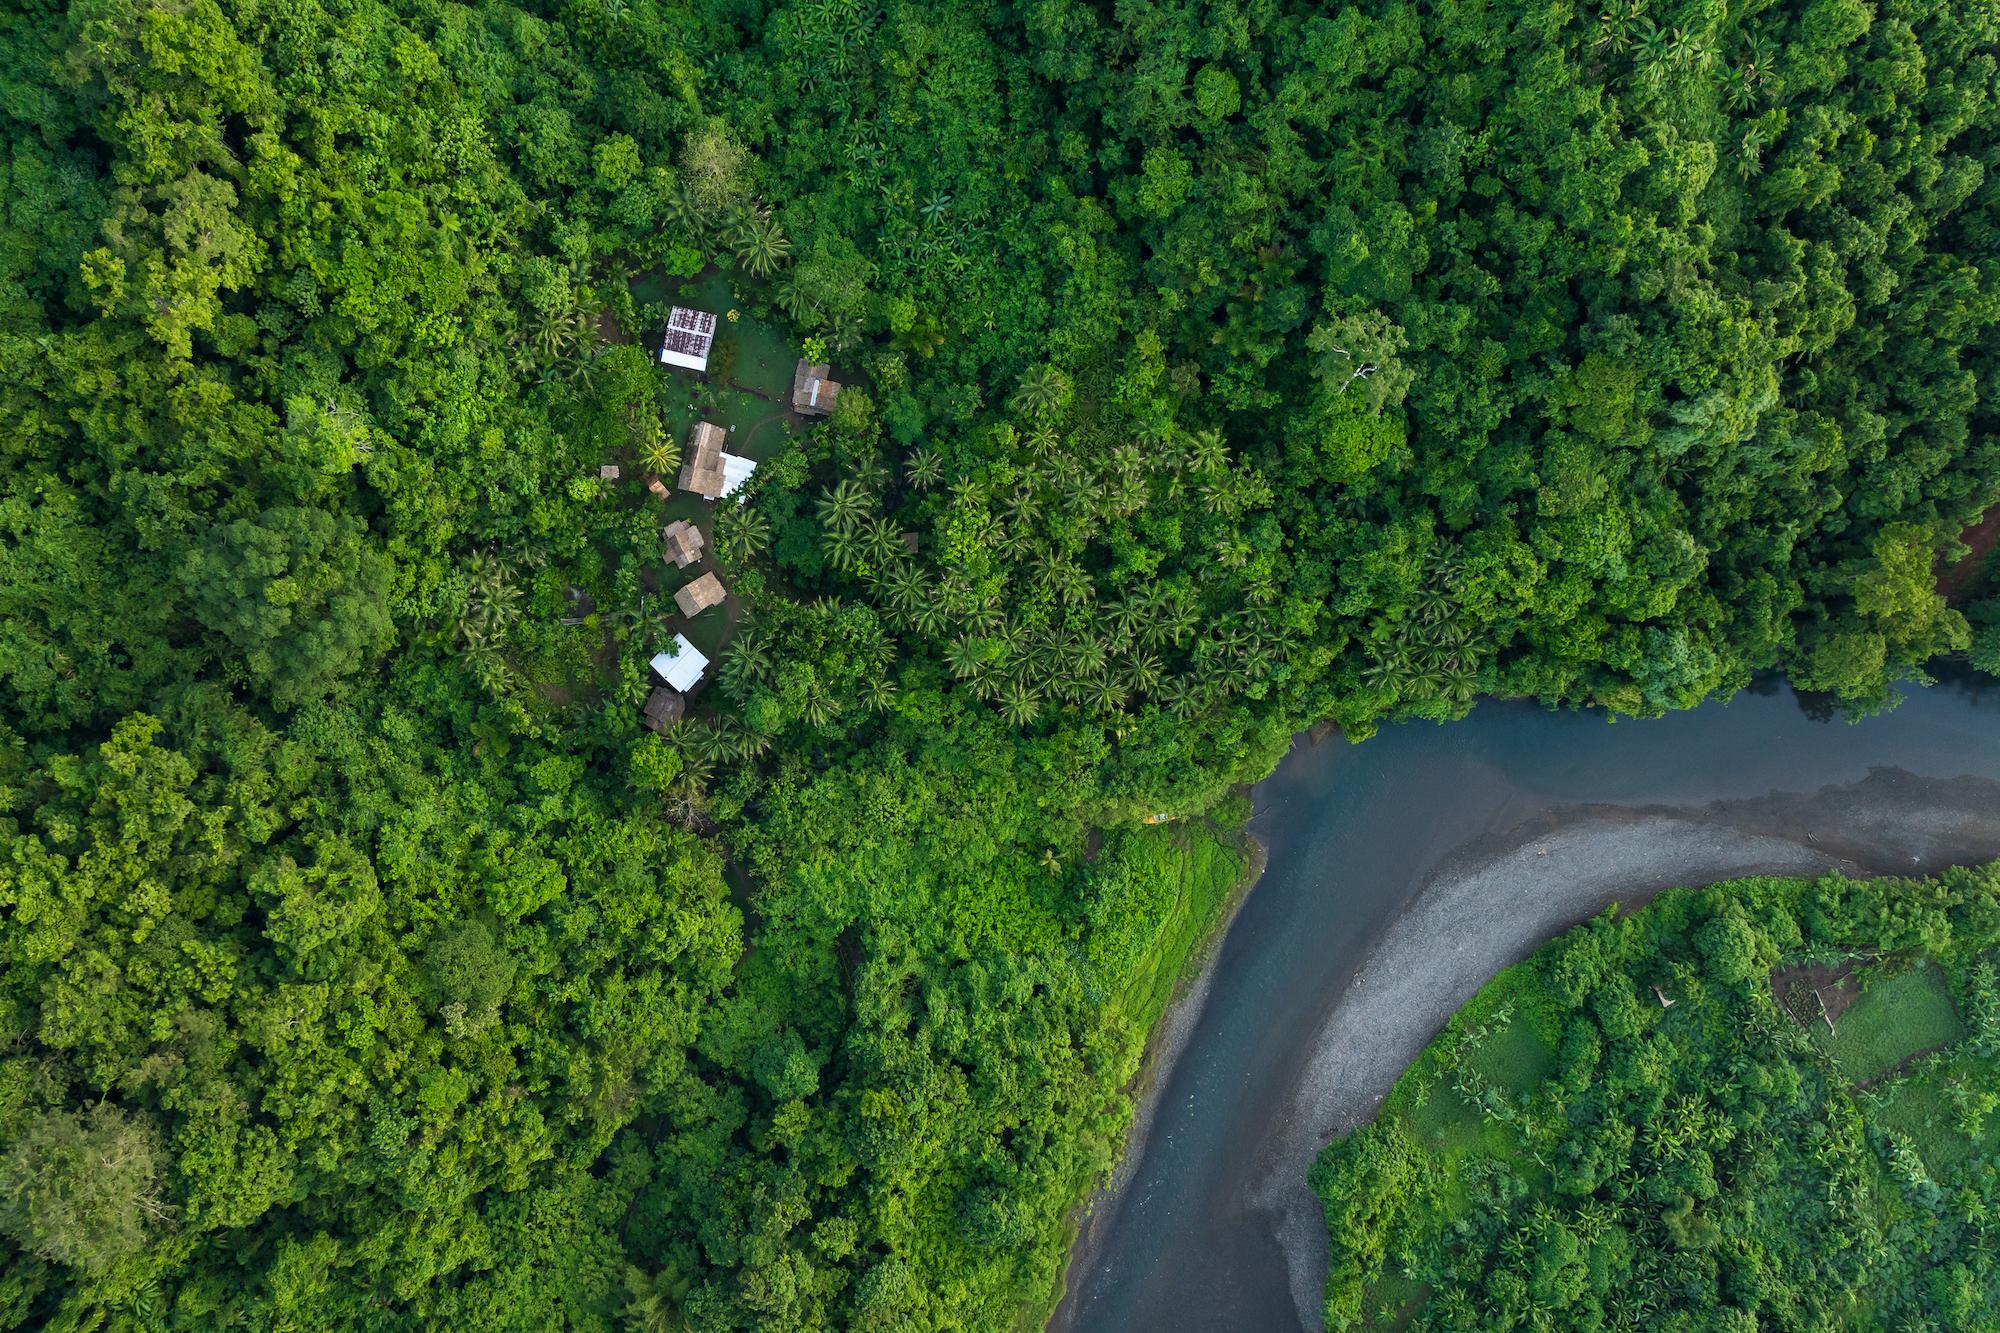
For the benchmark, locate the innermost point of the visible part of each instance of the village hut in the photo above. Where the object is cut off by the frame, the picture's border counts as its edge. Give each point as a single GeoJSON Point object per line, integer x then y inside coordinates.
{"type": "Point", "coordinates": [609, 472]}
{"type": "Point", "coordinates": [813, 392]}
{"type": "Point", "coordinates": [701, 460]}
{"type": "Point", "coordinates": [690, 333]}
{"type": "Point", "coordinates": [698, 596]}
{"type": "Point", "coordinates": [683, 542]}
{"type": "Point", "coordinates": [656, 486]}
{"type": "Point", "coordinates": [664, 707]}
{"type": "Point", "coordinates": [680, 666]}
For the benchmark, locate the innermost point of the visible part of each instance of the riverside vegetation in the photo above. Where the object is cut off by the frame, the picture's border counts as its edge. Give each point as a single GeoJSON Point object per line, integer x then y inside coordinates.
{"type": "Point", "coordinates": [1234, 366]}
{"type": "Point", "coordinates": [1646, 1126]}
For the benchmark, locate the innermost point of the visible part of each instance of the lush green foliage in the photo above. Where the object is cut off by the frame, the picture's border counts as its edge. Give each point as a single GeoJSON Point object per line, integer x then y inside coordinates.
{"type": "Point", "coordinates": [1211, 370]}
{"type": "Point", "coordinates": [1571, 1153]}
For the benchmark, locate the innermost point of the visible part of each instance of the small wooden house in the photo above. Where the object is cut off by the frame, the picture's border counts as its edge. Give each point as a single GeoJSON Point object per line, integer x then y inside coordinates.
{"type": "Point", "coordinates": [664, 707]}
{"type": "Point", "coordinates": [609, 472]}
{"type": "Point", "coordinates": [683, 542]}
{"type": "Point", "coordinates": [701, 460]}
{"type": "Point", "coordinates": [698, 596]}
{"type": "Point", "coordinates": [814, 392]}
{"type": "Point", "coordinates": [656, 486]}
{"type": "Point", "coordinates": [690, 333]}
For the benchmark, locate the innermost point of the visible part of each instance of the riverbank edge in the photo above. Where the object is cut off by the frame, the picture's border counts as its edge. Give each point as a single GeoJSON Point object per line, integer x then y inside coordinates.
{"type": "Point", "coordinates": [1766, 837]}
{"type": "Point", "coordinates": [1167, 1038]}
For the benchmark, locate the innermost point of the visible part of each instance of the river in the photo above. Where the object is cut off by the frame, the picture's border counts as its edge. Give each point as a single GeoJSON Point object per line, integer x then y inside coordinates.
{"type": "Point", "coordinates": [1405, 871]}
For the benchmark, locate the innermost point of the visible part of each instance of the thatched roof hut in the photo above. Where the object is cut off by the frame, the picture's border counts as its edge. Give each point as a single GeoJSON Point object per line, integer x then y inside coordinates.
{"type": "Point", "coordinates": [701, 460]}
{"type": "Point", "coordinates": [683, 542]}
{"type": "Point", "coordinates": [814, 392]}
{"type": "Point", "coordinates": [664, 707]}
{"type": "Point", "coordinates": [698, 596]}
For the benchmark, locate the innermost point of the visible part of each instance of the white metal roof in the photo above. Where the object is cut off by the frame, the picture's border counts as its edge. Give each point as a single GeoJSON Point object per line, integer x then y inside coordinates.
{"type": "Point", "coordinates": [735, 471]}
{"type": "Point", "coordinates": [683, 667]}
{"type": "Point", "coordinates": [689, 333]}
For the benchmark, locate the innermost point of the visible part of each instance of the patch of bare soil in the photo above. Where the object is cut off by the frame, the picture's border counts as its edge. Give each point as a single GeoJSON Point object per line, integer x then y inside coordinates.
{"type": "Point", "coordinates": [1816, 993]}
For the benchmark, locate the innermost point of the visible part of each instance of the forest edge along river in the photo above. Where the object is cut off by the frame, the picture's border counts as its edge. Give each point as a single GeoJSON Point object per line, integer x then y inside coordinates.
{"type": "Point", "coordinates": [1405, 871]}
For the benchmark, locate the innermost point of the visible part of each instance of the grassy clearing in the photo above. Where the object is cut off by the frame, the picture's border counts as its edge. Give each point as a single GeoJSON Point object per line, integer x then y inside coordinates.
{"type": "Point", "coordinates": [1198, 871]}
{"type": "Point", "coordinates": [1942, 1108]}
{"type": "Point", "coordinates": [1393, 1301]}
{"type": "Point", "coordinates": [1898, 1016]}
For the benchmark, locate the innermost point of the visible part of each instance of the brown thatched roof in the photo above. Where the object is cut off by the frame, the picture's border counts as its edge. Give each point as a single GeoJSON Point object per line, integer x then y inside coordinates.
{"type": "Point", "coordinates": [698, 596]}
{"type": "Point", "coordinates": [664, 707]}
{"type": "Point", "coordinates": [813, 391]}
{"type": "Point", "coordinates": [701, 460]}
{"type": "Point", "coordinates": [683, 542]}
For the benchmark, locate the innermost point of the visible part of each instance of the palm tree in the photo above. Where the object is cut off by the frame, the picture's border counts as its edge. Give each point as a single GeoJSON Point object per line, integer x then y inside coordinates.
{"type": "Point", "coordinates": [683, 211]}
{"type": "Point", "coordinates": [483, 660]}
{"type": "Point", "coordinates": [843, 547]}
{"type": "Point", "coordinates": [843, 507]}
{"type": "Point", "coordinates": [761, 246]}
{"type": "Point", "coordinates": [871, 474]}
{"type": "Point", "coordinates": [1086, 654]}
{"type": "Point", "coordinates": [492, 601]}
{"type": "Point", "coordinates": [1019, 704]}
{"type": "Point", "coordinates": [740, 533]}
{"type": "Point", "coordinates": [817, 705]}
{"type": "Point", "coordinates": [967, 657]}
{"type": "Point", "coordinates": [1183, 696]}
{"type": "Point", "coordinates": [924, 468]}
{"type": "Point", "coordinates": [1140, 673]}
{"type": "Point", "coordinates": [1127, 496]}
{"type": "Point", "coordinates": [904, 588]}
{"type": "Point", "coordinates": [1207, 454]}
{"type": "Point", "coordinates": [1042, 390]}
{"type": "Point", "coordinates": [882, 540]}
{"type": "Point", "coordinates": [796, 300]}
{"type": "Point", "coordinates": [1106, 694]}
{"type": "Point", "coordinates": [1123, 617]}
{"type": "Point", "coordinates": [710, 743]}
{"type": "Point", "coordinates": [748, 663]}
{"type": "Point", "coordinates": [1021, 508]}
{"type": "Point", "coordinates": [650, 620]}
{"type": "Point", "coordinates": [879, 693]}
{"type": "Point", "coordinates": [662, 454]}
{"type": "Point", "coordinates": [931, 614]}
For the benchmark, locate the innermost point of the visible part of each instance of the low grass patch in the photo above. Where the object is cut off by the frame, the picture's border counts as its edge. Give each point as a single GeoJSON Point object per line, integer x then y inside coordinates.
{"type": "Point", "coordinates": [1929, 1108]}
{"type": "Point", "coordinates": [1393, 1300]}
{"type": "Point", "coordinates": [1898, 1016]}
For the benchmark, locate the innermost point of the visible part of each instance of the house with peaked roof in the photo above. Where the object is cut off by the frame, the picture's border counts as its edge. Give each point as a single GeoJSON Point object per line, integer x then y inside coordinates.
{"type": "Point", "coordinates": [683, 542]}
{"type": "Point", "coordinates": [690, 333]}
{"type": "Point", "coordinates": [698, 596]}
{"type": "Point", "coordinates": [814, 392]}
{"type": "Point", "coordinates": [682, 667]}
{"type": "Point", "coordinates": [664, 707]}
{"type": "Point", "coordinates": [701, 460]}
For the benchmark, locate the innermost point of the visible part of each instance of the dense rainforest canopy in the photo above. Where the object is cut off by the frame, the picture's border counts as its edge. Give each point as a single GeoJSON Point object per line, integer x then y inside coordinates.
{"type": "Point", "coordinates": [1213, 369]}
{"type": "Point", "coordinates": [1646, 1127]}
